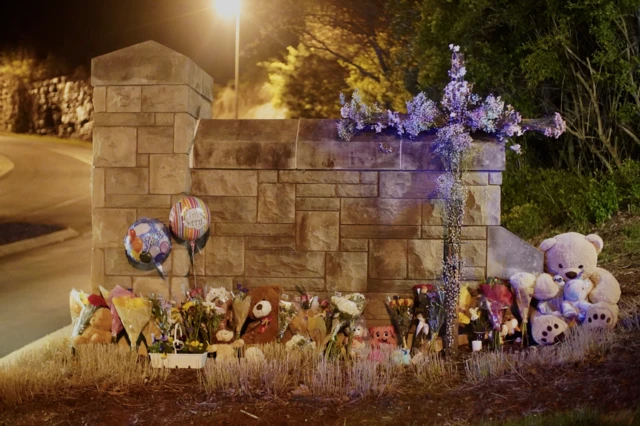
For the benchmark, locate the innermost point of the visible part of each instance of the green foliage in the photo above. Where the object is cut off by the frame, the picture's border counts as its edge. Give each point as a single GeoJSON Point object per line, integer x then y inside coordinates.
{"type": "Point", "coordinates": [571, 418]}
{"type": "Point", "coordinates": [536, 200]}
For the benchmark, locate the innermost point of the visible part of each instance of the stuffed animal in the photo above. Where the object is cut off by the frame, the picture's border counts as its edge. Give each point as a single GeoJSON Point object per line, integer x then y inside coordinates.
{"type": "Point", "coordinates": [360, 342]}
{"type": "Point", "coordinates": [575, 304]}
{"type": "Point", "coordinates": [99, 329]}
{"type": "Point", "coordinates": [262, 324]}
{"type": "Point", "coordinates": [383, 335]}
{"type": "Point", "coordinates": [225, 351]}
{"type": "Point", "coordinates": [567, 257]}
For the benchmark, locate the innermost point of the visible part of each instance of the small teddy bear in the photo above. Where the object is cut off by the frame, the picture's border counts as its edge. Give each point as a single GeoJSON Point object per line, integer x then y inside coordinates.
{"type": "Point", "coordinates": [575, 304]}
{"type": "Point", "coordinates": [99, 329]}
{"type": "Point", "coordinates": [225, 351]}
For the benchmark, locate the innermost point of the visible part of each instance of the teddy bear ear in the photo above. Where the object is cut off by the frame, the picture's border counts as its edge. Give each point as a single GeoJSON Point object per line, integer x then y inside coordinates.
{"type": "Point", "coordinates": [547, 244]}
{"type": "Point", "coordinates": [596, 241]}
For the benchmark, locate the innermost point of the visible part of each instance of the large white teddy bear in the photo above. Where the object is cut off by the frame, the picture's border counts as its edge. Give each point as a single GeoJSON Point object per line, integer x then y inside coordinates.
{"type": "Point", "coordinates": [573, 258]}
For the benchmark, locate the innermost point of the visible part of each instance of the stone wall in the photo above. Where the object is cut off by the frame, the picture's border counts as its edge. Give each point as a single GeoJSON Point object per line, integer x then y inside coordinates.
{"type": "Point", "coordinates": [291, 203]}
{"type": "Point", "coordinates": [59, 106]}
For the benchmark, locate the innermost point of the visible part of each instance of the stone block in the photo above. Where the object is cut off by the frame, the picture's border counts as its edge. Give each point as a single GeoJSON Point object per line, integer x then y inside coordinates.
{"type": "Point", "coordinates": [97, 268]}
{"type": "Point", "coordinates": [114, 147]}
{"type": "Point", "coordinates": [355, 191]}
{"type": "Point", "coordinates": [97, 187]}
{"type": "Point", "coordinates": [99, 99]}
{"type": "Point", "coordinates": [155, 140]}
{"type": "Point", "coordinates": [408, 185]}
{"type": "Point", "coordinates": [474, 253]}
{"type": "Point", "coordinates": [142, 160]}
{"type": "Point", "coordinates": [231, 209]}
{"type": "Point", "coordinates": [110, 281]}
{"type": "Point", "coordinates": [127, 180]}
{"type": "Point", "coordinates": [268, 176]}
{"type": "Point", "coordinates": [271, 243]}
{"type": "Point", "coordinates": [347, 271]}
{"type": "Point", "coordinates": [237, 183]}
{"type": "Point", "coordinates": [123, 99]}
{"type": "Point", "coordinates": [474, 232]}
{"type": "Point", "coordinates": [133, 200]}
{"type": "Point", "coordinates": [276, 203]}
{"type": "Point", "coordinates": [378, 211]}
{"type": "Point", "coordinates": [256, 229]}
{"type": "Point", "coordinates": [507, 254]}
{"type": "Point", "coordinates": [179, 286]}
{"type": "Point", "coordinates": [215, 282]}
{"type": "Point", "coordinates": [165, 98]}
{"type": "Point", "coordinates": [317, 231]}
{"type": "Point", "coordinates": [419, 154]}
{"type": "Point", "coordinates": [317, 204]}
{"type": "Point", "coordinates": [369, 177]}
{"type": "Point", "coordinates": [354, 244]}
{"type": "Point", "coordinates": [482, 206]}
{"type": "Point", "coordinates": [425, 259]}
{"type": "Point", "coordinates": [379, 231]}
{"type": "Point", "coordinates": [495, 178]}
{"type": "Point", "coordinates": [225, 256]}
{"type": "Point", "coordinates": [116, 263]}
{"type": "Point", "coordinates": [164, 118]}
{"type": "Point", "coordinates": [475, 178]}
{"type": "Point", "coordinates": [473, 273]}
{"type": "Point", "coordinates": [433, 232]}
{"type": "Point", "coordinates": [375, 309]}
{"type": "Point", "coordinates": [291, 264]}
{"type": "Point", "coordinates": [310, 284]}
{"type": "Point", "coordinates": [169, 173]}
{"type": "Point", "coordinates": [147, 286]}
{"type": "Point", "coordinates": [433, 212]}
{"type": "Point", "coordinates": [319, 147]}
{"type": "Point", "coordinates": [488, 154]}
{"type": "Point", "coordinates": [110, 226]}
{"type": "Point", "coordinates": [394, 286]}
{"type": "Point", "coordinates": [388, 258]}
{"type": "Point", "coordinates": [316, 190]}
{"type": "Point", "coordinates": [183, 130]}
{"type": "Point", "coordinates": [181, 260]}
{"type": "Point", "coordinates": [312, 176]}
{"type": "Point", "coordinates": [109, 119]}
{"type": "Point", "coordinates": [246, 144]}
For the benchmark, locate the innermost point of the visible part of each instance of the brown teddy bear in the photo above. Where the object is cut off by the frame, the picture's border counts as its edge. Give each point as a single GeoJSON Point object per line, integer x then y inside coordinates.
{"type": "Point", "coordinates": [225, 350]}
{"type": "Point", "coordinates": [99, 329]}
{"type": "Point", "coordinates": [262, 324]}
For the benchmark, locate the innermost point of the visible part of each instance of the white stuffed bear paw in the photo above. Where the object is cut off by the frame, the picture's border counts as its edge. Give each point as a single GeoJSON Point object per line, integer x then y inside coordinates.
{"type": "Point", "coordinates": [601, 315]}
{"type": "Point", "coordinates": [547, 329]}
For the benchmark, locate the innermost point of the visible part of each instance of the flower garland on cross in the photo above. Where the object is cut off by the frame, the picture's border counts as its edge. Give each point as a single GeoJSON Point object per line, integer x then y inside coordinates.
{"type": "Point", "coordinates": [459, 114]}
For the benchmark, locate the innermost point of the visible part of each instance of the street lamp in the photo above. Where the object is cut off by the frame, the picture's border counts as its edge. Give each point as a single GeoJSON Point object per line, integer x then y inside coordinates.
{"type": "Point", "coordinates": [229, 9]}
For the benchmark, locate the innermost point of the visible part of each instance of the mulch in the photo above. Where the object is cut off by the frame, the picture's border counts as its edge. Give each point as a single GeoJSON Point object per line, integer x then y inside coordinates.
{"type": "Point", "coordinates": [10, 232]}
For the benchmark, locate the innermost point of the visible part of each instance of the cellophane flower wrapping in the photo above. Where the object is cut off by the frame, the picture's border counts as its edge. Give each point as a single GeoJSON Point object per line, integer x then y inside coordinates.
{"type": "Point", "coordinates": [401, 313]}
{"type": "Point", "coordinates": [436, 311]}
{"type": "Point", "coordinates": [346, 311]}
{"type": "Point", "coordinates": [89, 307]}
{"type": "Point", "coordinates": [286, 312]}
{"type": "Point", "coordinates": [116, 323]}
{"type": "Point", "coordinates": [135, 314]}
{"type": "Point", "coordinates": [240, 308]}
{"type": "Point", "coordinates": [524, 295]}
{"type": "Point", "coordinates": [77, 300]}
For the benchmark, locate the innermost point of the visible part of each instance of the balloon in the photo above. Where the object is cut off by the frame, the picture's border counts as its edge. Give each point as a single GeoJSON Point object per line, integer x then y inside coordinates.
{"type": "Point", "coordinates": [189, 220]}
{"type": "Point", "coordinates": [148, 244]}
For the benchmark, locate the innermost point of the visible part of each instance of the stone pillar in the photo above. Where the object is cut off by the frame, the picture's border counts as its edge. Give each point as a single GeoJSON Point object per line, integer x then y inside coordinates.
{"type": "Point", "coordinates": [147, 99]}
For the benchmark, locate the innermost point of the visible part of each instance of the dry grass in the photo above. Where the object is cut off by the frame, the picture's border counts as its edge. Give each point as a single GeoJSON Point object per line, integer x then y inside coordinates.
{"type": "Point", "coordinates": [629, 316]}
{"type": "Point", "coordinates": [303, 373]}
{"type": "Point", "coordinates": [53, 369]}
{"type": "Point", "coordinates": [431, 368]}
{"type": "Point", "coordinates": [580, 343]}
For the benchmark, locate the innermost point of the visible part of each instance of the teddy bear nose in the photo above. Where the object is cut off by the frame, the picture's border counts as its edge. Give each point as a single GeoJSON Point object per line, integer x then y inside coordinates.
{"type": "Point", "coordinates": [571, 275]}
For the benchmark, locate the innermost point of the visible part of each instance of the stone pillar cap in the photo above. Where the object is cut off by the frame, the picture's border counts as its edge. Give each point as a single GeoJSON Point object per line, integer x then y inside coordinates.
{"type": "Point", "coordinates": [149, 63]}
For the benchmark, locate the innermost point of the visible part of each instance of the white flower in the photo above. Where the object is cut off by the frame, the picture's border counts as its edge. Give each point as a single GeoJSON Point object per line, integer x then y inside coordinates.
{"type": "Point", "coordinates": [345, 306]}
{"type": "Point", "coordinates": [516, 148]}
{"type": "Point", "coordinates": [474, 314]}
{"type": "Point", "coordinates": [221, 293]}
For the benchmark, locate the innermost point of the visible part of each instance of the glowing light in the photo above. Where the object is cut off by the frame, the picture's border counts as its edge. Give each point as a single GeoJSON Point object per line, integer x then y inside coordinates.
{"type": "Point", "coordinates": [227, 8]}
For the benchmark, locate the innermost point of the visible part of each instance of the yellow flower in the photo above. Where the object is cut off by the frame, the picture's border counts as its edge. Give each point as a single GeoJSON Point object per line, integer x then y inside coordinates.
{"type": "Point", "coordinates": [187, 305]}
{"type": "Point", "coordinates": [463, 319]}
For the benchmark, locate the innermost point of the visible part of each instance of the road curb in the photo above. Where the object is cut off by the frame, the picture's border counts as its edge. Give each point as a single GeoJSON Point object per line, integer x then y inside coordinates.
{"type": "Point", "coordinates": [36, 345]}
{"type": "Point", "coordinates": [6, 165]}
{"type": "Point", "coordinates": [32, 243]}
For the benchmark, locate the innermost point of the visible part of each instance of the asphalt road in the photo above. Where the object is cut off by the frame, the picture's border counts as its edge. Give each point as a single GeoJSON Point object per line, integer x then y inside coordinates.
{"type": "Point", "coordinates": [48, 184]}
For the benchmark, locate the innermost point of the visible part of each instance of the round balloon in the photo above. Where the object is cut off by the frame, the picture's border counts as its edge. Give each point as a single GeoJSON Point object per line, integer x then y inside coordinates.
{"type": "Point", "coordinates": [189, 219]}
{"type": "Point", "coordinates": [148, 243]}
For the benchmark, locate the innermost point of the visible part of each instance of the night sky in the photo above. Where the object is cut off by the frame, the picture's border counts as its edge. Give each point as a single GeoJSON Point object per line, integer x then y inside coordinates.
{"type": "Point", "coordinates": [75, 30]}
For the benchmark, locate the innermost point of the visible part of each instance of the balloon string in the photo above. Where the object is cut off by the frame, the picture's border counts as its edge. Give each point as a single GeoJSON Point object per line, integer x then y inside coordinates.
{"type": "Point", "coordinates": [193, 268]}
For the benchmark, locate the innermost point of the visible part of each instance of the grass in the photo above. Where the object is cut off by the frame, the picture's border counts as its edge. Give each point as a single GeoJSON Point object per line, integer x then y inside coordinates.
{"type": "Point", "coordinates": [53, 369]}
{"type": "Point", "coordinates": [574, 418]}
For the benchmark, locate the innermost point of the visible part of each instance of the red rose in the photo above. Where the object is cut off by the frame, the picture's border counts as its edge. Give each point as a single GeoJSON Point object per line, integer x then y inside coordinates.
{"type": "Point", "coordinates": [96, 300]}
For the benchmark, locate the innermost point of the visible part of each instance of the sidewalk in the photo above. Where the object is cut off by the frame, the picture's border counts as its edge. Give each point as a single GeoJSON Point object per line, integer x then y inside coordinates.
{"type": "Point", "coordinates": [6, 165]}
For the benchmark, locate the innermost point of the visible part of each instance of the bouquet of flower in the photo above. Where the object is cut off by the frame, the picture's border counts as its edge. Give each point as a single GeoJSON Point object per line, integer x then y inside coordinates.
{"type": "Point", "coordinates": [161, 312]}
{"type": "Point", "coordinates": [135, 314]}
{"type": "Point", "coordinates": [496, 300]}
{"type": "Point", "coordinates": [90, 304]}
{"type": "Point", "coordinates": [478, 323]}
{"type": "Point", "coordinates": [77, 300]}
{"type": "Point", "coordinates": [116, 324]}
{"type": "Point", "coordinates": [240, 308]}
{"type": "Point", "coordinates": [218, 299]}
{"type": "Point", "coordinates": [218, 313]}
{"type": "Point", "coordinates": [436, 312]}
{"type": "Point", "coordinates": [523, 290]}
{"type": "Point", "coordinates": [346, 311]}
{"type": "Point", "coordinates": [286, 313]}
{"type": "Point", "coordinates": [401, 313]}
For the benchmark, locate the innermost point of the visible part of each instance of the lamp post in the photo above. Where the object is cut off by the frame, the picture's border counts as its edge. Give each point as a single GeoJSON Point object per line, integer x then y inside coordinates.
{"type": "Point", "coordinates": [228, 9]}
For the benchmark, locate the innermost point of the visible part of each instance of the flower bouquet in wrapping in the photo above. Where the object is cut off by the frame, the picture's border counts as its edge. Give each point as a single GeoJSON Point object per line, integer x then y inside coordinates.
{"type": "Point", "coordinates": [496, 300]}
{"type": "Point", "coordinates": [436, 313]}
{"type": "Point", "coordinates": [401, 313]}
{"type": "Point", "coordinates": [286, 313]}
{"type": "Point", "coordinates": [522, 286]}
{"type": "Point", "coordinates": [218, 315]}
{"type": "Point", "coordinates": [135, 314]}
{"type": "Point", "coordinates": [77, 300]}
{"type": "Point", "coordinates": [90, 305]}
{"type": "Point", "coordinates": [240, 308]}
{"type": "Point", "coordinates": [116, 324]}
{"type": "Point", "coordinates": [346, 311]}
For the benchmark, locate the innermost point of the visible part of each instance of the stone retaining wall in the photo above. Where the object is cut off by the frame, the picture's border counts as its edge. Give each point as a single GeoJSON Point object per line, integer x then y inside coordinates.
{"type": "Point", "coordinates": [291, 203]}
